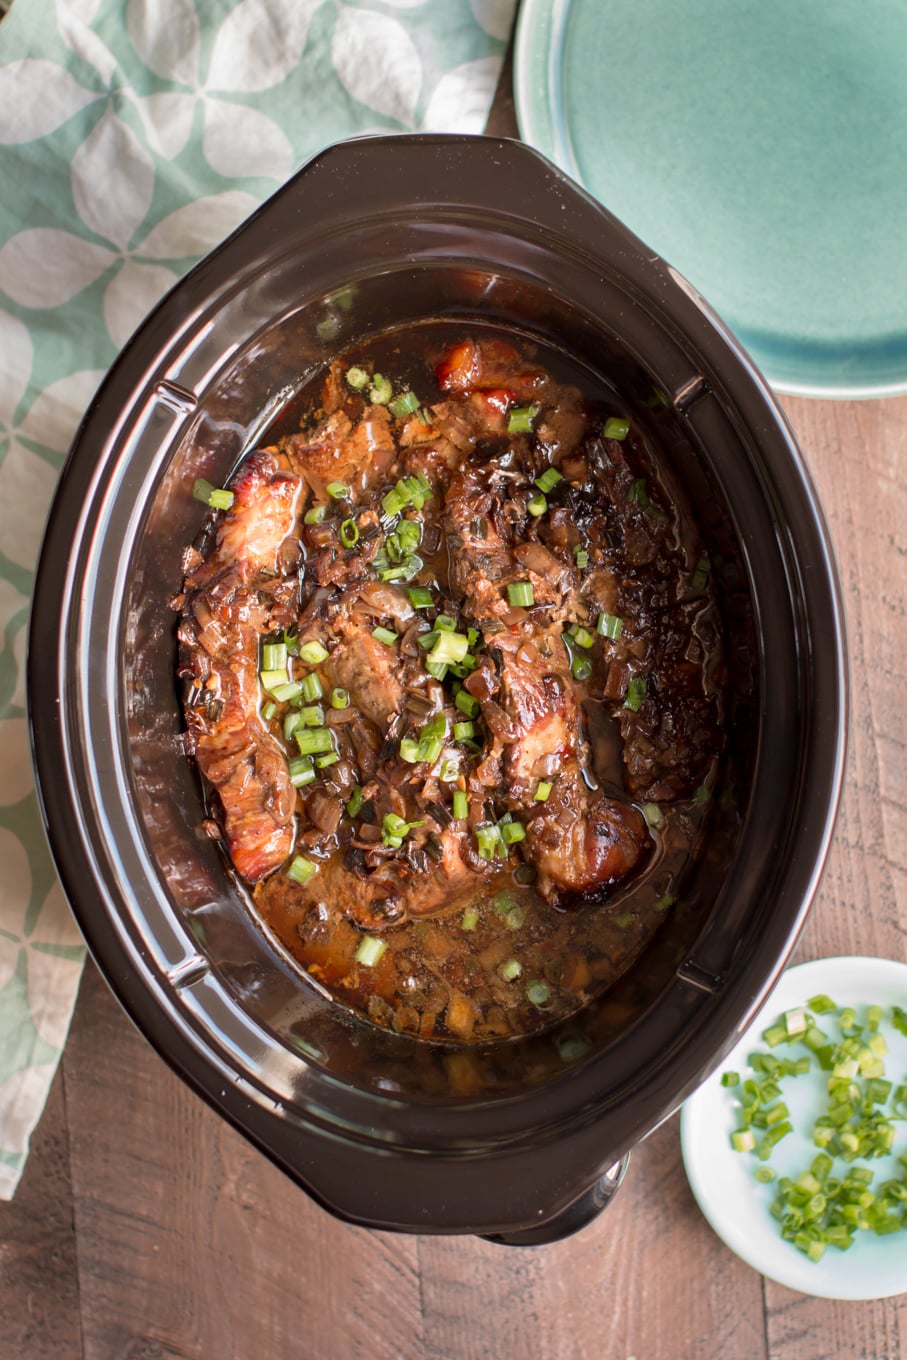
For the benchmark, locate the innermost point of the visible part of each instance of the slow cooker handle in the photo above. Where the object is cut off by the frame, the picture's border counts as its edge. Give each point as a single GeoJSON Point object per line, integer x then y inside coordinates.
{"type": "Point", "coordinates": [577, 1215]}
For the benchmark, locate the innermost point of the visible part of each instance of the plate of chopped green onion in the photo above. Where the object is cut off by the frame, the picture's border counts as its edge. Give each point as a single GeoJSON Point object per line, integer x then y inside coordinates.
{"type": "Point", "coordinates": [796, 1146]}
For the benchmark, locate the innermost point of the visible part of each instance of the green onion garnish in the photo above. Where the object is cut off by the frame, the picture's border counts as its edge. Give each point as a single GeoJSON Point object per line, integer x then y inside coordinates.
{"type": "Point", "coordinates": [465, 702]}
{"type": "Point", "coordinates": [449, 649]}
{"type": "Point", "coordinates": [357, 378]}
{"type": "Point", "coordinates": [510, 970]}
{"type": "Point", "coordinates": [700, 578]}
{"type": "Point", "coordinates": [216, 497]}
{"type": "Point", "coordinates": [384, 635]}
{"type": "Point", "coordinates": [610, 626]}
{"type": "Point", "coordinates": [470, 918]}
{"type": "Point", "coordinates": [315, 515]}
{"type": "Point", "coordinates": [301, 870]}
{"type": "Point", "coordinates": [370, 951]}
{"type": "Point", "coordinates": [394, 829]}
{"type": "Point", "coordinates": [313, 741]}
{"type": "Point", "coordinates": [616, 427]}
{"type": "Point", "coordinates": [543, 789]}
{"type": "Point", "coordinates": [420, 597]}
{"type": "Point", "coordinates": [464, 731]}
{"type": "Point", "coordinates": [488, 840]}
{"type": "Point", "coordinates": [581, 668]}
{"type": "Point", "coordinates": [269, 710]}
{"type": "Point", "coordinates": [460, 804]}
{"type": "Point", "coordinates": [285, 694]}
{"type": "Point", "coordinates": [409, 750]}
{"type": "Point", "coordinates": [581, 636]}
{"type": "Point", "coordinates": [302, 771]}
{"type": "Point", "coordinates": [338, 491]}
{"type": "Point", "coordinates": [512, 832]}
{"type": "Point", "coordinates": [404, 405]}
{"type": "Point", "coordinates": [581, 557]}
{"type": "Point", "coordinates": [273, 656]}
{"type": "Point", "coordinates": [520, 594]}
{"type": "Point", "coordinates": [312, 688]}
{"type": "Point", "coordinates": [271, 680]}
{"type": "Point", "coordinates": [312, 715]}
{"type": "Point", "coordinates": [537, 504]}
{"type": "Point", "coordinates": [381, 390]}
{"type": "Point", "coordinates": [548, 480]}
{"type": "Point", "coordinates": [349, 533]}
{"type": "Point", "coordinates": [538, 993]}
{"type": "Point", "coordinates": [312, 653]}
{"type": "Point", "coordinates": [637, 492]}
{"type": "Point", "coordinates": [520, 419]}
{"type": "Point", "coordinates": [340, 698]}
{"type": "Point", "coordinates": [355, 801]}
{"type": "Point", "coordinates": [636, 692]}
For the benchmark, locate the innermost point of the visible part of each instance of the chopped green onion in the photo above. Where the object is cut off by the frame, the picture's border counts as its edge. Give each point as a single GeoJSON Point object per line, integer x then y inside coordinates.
{"type": "Point", "coordinates": [449, 771]}
{"type": "Point", "coordinates": [313, 716]}
{"type": "Point", "coordinates": [420, 597]}
{"type": "Point", "coordinates": [312, 653]}
{"type": "Point", "coordinates": [637, 492]}
{"type": "Point", "coordinates": [510, 970]}
{"type": "Point", "coordinates": [340, 698]}
{"type": "Point", "coordinates": [653, 815]}
{"type": "Point", "coordinates": [470, 918]}
{"type": "Point", "coordinates": [323, 762]}
{"type": "Point", "coordinates": [581, 557]}
{"type": "Point", "coordinates": [349, 533]}
{"type": "Point", "coordinates": [273, 656]}
{"type": "Point", "coordinates": [302, 771]}
{"type": "Point", "coordinates": [616, 427]}
{"type": "Point", "coordinates": [285, 694]}
{"type": "Point", "coordinates": [700, 578]}
{"type": "Point", "coordinates": [404, 405]}
{"type": "Point", "coordinates": [394, 502]}
{"type": "Point", "coordinates": [394, 829]}
{"type": "Point", "coordinates": [488, 840]}
{"type": "Point", "coordinates": [381, 390]}
{"type": "Point", "coordinates": [582, 636]}
{"type": "Point", "coordinates": [581, 668]}
{"type": "Point", "coordinates": [338, 491]}
{"type": "Point", "coordinates": [538, 993]}
{"type": "Point", "coordinates": [512, 832]}
{"type": "Point", "coordinates": [357, 378]}
{"type": "Point", "coordinates": [730, 1078]}
{"type": "Point", "coordinates": [370, 951]}
{"type": "Point", "coordinates": [520, 419]}
{"type": "Point", "coordinates": [271, 680]}
{"type": "Point", "coordinates": [315, 515]}
{"type": "Point", "coordinates": [765, 1174]}
{"type": "Point", "coordinates": [610, 626]}
{"type": "Point", "coordinates": [384, 635]}
{"type": "Point", "coordinates": [217, 497]}
{"type": "Point", "coordinates": [355, 801]}
{"type": "Point", "coordinates": [449, 649]}
{"type": "Point", "coordinates": [301, 870]}
{"type": "Point", "coordinates": [409, 750]}
{"type": "Point", "coordinates": [291, 722]}
{"type": "Point", "coordinates": [548, 480]}
{"type": "Point", "coordinates": [446, 623]}
{"type": "Point", "coordinates": [436, 669]}
{"type": "Point", "coordinates": [269, 711]}
{"type": "Point", "coordinates": [543, 789]}
{"type": "Point", "coordinates": [312, 687]}
{"type": "Point", "coordinates": [466, 703]}
{"type": "Point", "coordinates": [743, 1140]}
{"type": "Point", "coordinates": [537, 505]}
{"type": "Point", "coordinates": [636, 692]}
{"type": "Point", "coordinates": [460, 805]}
{"type": "Point", "coordinates": [429, 749]}
{"type": "Point", "coordinates": [464, 731]}
{"type": "Point", "coordinates": [520, 594]}
{"type": "Point", "coordinates": [314, 741]}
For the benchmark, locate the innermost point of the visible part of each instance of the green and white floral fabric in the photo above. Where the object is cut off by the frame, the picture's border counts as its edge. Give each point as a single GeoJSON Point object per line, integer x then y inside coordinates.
{"type": "Point", "coordinates": [134, 135]}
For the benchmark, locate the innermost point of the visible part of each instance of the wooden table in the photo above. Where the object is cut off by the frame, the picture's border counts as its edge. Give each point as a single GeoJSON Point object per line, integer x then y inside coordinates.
{"type": "Point", "coordinates": [145, 1228]}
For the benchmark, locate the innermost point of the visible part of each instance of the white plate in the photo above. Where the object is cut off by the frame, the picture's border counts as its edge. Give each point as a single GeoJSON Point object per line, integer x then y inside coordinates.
{"type": "Point", "coordinates": [735, 1204]}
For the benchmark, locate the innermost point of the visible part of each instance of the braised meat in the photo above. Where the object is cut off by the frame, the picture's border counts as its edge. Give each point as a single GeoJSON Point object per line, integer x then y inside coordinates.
{"type": "Point", "coordinates": [453, 642]}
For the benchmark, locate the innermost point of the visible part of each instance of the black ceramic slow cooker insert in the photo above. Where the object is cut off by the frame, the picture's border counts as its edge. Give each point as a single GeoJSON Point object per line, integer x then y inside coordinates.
{"type": "Point", "coordinates": [383, 1129]}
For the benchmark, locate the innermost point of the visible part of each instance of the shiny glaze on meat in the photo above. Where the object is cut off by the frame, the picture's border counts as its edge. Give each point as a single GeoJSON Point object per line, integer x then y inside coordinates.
{"type": "Point", "coordinates": [588, 851]}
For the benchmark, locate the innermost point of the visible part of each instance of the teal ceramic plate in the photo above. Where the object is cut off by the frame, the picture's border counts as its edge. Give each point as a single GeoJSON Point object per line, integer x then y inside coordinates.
{"type": "Point", "coordinates": [760, 146]}
{"type": "Point", "coordinates": [735, 1204]}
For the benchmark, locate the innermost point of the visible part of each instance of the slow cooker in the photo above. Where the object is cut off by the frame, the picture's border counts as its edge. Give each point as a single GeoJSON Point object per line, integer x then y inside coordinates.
{"type": "Point", "coordinates": [521, 1140]}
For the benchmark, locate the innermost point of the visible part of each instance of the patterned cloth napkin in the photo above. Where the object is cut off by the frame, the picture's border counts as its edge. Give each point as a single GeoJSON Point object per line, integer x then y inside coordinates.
{"type": "Point", "coordinates": [135, 135]}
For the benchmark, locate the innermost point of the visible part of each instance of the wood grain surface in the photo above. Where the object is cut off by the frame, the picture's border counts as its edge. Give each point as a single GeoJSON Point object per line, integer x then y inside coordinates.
{"type": "Point", "coordinates": [146, 1229]}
